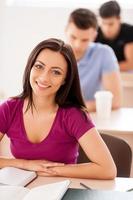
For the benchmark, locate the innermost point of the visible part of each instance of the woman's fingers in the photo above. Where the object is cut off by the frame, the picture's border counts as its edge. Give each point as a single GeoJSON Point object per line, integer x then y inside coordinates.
{"type": "Point", "coordinates": [40, 165]}
{"type": "Point", "coordinates": [46, 173]}
{"type": "Point", "coordinates": [48, 165]}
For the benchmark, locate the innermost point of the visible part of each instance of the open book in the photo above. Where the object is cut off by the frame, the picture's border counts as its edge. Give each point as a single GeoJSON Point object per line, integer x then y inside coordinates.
{"type": "Point", "coordinates": [52, 191]}
{"type": "Point", "coordinates": [15, 176]}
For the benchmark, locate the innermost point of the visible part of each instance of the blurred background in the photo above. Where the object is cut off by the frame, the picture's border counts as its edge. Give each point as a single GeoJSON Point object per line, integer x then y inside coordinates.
{"type": "Point", "coordinates": [24, 23]}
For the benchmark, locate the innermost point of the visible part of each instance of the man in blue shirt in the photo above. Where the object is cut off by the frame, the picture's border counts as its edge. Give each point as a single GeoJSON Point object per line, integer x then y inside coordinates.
{"type": "Point", "coordinates": [97, 64]}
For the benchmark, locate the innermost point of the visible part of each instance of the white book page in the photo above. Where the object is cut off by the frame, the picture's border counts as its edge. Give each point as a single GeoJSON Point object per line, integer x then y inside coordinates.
{"type": "Point", "coordinates": [53, 191]}
{"type": "Point", "coordinates": [123, 184]}
{"type": "Point", "coordinates": [13, 192]}
{"type": "Point", "coordinates": [15, 176]}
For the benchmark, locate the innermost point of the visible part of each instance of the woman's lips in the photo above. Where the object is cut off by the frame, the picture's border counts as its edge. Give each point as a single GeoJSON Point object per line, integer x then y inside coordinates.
{"type": "Point", "coordinates": [44, 86]}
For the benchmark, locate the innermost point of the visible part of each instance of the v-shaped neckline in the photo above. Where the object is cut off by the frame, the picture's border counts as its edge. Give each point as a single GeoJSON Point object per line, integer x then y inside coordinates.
{"type": "Point", "coordinates": [50, 130]}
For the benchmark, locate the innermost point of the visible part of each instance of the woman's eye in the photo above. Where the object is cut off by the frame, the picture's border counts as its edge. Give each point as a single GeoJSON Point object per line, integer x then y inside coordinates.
{"type": "Point", "coordinates": [56, 72]}
{"type": "Point", "coordinates": [38, 66]}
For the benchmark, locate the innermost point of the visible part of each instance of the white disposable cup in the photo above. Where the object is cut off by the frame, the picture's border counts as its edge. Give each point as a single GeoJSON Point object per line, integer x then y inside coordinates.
{"type": "Point", "coordinates": [103, 104]}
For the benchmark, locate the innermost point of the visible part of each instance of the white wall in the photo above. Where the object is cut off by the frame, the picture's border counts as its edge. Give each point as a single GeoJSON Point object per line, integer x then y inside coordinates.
{"type": "Point", "coordinates": [20, 30]}
{"type": "Point", "coordinates": [1, 44]}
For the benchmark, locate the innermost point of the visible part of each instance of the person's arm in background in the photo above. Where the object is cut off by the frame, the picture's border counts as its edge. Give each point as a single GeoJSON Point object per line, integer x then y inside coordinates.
{"type": "Point", "coordinates": [111, 81]}
{"type": "Point", "coordinates": [111, 76]}
{"type": "Point", "coordinates": [127, 64]}
{"type": "Point", "coordinates": [91, 105]}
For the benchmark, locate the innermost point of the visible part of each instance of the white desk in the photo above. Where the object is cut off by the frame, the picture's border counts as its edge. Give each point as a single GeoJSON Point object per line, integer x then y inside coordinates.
{"type": "Point", "coordinates": [120, 184]}
{"type": "Point", "coordinates": [120, 121]}
{"type": "Point", "coordinates": [120, 124]}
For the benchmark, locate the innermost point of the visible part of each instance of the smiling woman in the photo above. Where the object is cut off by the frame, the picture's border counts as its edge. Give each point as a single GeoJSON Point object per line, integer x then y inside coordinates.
{"type": "Point", "coordinates": [47, 75]}
{"type": "Point", "coordinates": [48, 121]}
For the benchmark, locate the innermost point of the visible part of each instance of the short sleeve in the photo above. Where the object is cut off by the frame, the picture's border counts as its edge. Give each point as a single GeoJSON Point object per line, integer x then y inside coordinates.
{"type": "Point", "coordinates": [4, 117]}
{"type": "Point", "coordinates": [77, 122]}
{"type": "Point", "coordinates": [128, 33]}
{"type": "Point", "coordinates": [109, 62]}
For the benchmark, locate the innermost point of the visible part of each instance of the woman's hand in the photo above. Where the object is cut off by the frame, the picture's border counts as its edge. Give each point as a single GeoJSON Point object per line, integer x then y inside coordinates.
{"type": "Point", "coordinates": [48, 172]}
{"type": "Point", "coordinates": [42, 167]}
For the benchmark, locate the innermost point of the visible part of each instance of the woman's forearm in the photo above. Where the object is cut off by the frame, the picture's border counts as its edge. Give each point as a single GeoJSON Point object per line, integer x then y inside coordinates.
{"type": "Point", "coordinates": [86, 170]}
{"type": "Point", "coordinates": [31, 165]}
{"type": "Point", "coordinates": [11, 162]}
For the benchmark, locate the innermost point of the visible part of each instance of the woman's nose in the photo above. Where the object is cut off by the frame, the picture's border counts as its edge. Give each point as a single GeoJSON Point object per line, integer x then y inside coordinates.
{"type": "Point", "coordinates": [44, 76]}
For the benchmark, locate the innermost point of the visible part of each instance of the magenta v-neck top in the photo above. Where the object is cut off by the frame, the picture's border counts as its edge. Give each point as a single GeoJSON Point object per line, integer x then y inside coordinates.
{"type": "Point", "coordinates": [61, 144]}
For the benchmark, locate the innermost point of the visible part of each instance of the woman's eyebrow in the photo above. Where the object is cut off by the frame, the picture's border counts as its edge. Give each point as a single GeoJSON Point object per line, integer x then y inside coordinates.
{"type": "Point", "coordinates": [39, 62]}
{"type": "Point", "coordinates": [54, 67]}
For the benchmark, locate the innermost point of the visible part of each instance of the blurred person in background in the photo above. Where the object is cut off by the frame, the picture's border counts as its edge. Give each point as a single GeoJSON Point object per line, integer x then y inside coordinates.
{"type": "Point", "coordinates": [116, 34]}
{"type": "Point", "coordinates": [97, 64]}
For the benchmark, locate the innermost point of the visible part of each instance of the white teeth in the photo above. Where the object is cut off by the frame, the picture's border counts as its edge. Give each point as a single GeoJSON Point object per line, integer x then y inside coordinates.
{"type": "Point", "coordinates": [43, 86]}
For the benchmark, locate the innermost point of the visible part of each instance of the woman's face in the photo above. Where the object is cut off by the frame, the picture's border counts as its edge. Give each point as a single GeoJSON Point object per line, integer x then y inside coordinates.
{"type": "Point", "coordinates": [48, 73]}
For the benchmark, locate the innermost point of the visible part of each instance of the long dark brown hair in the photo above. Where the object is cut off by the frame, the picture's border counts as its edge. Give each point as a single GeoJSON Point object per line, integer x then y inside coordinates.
{"type": "Point", "coordinates": [69, 93]}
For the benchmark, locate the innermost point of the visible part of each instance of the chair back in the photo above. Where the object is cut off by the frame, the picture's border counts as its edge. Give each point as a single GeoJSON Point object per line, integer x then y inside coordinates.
{"type": "Point", "coordinates": [120, 151]}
